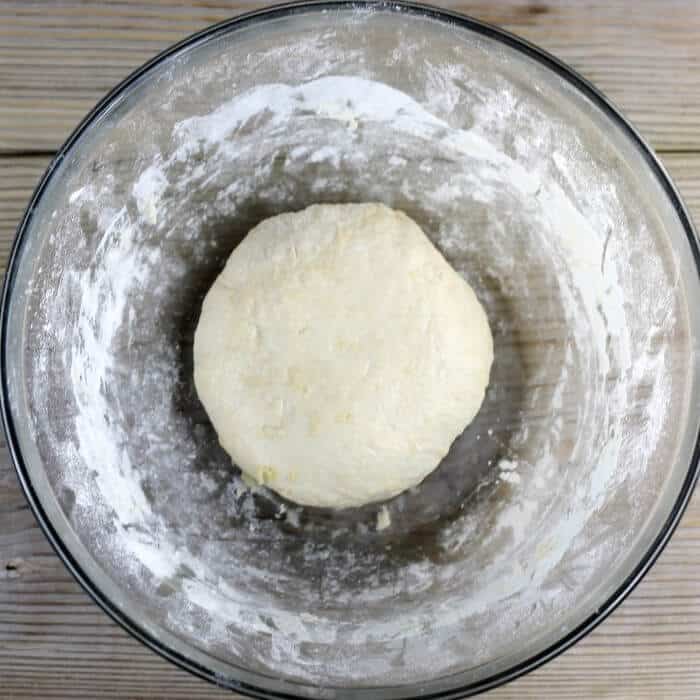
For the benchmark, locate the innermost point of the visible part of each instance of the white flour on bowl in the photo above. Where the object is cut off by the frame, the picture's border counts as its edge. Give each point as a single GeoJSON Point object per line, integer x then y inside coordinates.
{"type": "Point", "coordinates": [542, 494]}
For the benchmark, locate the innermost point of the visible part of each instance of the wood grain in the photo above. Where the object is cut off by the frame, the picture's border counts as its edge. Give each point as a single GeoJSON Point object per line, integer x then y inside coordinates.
{"type": "Point", "coordinates": [56, 60]}
{"type": "Point", "coordinates": [55, 643]}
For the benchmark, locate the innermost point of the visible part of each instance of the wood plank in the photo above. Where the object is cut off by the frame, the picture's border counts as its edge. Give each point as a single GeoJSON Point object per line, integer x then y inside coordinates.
{"type": "Point", "coordinates": [18, 177]}
{"type": "Point", "coordinates": [20, 174]}
{"type": "Point", "coordinates": [56, 643]}
{"type": "Point", "coordinates": [58, 59]}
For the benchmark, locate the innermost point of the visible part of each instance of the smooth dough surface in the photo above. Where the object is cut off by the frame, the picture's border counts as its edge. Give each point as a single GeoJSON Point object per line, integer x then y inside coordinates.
{"type": "Point", "coordinates": [338, 354]}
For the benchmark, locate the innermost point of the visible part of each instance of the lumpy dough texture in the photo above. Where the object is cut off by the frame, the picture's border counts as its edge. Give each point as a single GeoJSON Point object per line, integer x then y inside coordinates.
{"type": "Point", "coordinates": [338, 354]}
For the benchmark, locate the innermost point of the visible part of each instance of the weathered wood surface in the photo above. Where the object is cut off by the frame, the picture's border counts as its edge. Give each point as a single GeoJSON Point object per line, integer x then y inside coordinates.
{"type": "Point", "coordinates": [56, 60]}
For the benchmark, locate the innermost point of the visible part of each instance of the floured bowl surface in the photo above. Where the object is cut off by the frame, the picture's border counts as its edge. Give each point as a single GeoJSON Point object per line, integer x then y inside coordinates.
{"type": "Point", "coordinates": [547, 509]}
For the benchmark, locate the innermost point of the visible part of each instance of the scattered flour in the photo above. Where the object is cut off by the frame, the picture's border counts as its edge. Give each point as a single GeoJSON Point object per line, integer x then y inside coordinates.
{"type": "Point", "coordinates": [537, 225]}
{"type": "Point", "coordinates": [383, 519]}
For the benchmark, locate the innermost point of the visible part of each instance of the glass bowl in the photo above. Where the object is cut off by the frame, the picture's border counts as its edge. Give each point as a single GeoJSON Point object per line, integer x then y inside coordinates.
{"type": "Point", "coordinates": [550, 506]}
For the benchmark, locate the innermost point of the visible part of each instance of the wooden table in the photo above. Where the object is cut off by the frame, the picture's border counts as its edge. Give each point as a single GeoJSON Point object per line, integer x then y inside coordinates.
{"type": "Point", "coordinates": [56, 60]}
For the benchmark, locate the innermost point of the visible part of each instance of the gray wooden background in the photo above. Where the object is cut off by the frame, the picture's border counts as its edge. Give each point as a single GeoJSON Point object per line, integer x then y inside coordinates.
{"type": "Point", "coordinates": [56, 60]}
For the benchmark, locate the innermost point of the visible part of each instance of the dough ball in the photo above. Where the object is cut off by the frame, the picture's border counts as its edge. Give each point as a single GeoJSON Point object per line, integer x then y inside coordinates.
{"type": "Point", "coordinates": [339, 355]}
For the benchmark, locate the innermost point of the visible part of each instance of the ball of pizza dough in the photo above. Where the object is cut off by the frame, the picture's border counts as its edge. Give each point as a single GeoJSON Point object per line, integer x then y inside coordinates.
{"type": "Point", "coordinates": [339, 355]}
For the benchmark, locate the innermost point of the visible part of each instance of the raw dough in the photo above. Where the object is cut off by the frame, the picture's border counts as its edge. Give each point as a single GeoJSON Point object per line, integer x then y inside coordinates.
{"type": "Point", "coordinates": [338, 354]}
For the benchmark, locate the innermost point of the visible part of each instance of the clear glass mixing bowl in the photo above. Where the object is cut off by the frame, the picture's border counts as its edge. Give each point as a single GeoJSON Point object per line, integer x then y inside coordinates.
{"type": "Point", "coordinates": [549, 507]}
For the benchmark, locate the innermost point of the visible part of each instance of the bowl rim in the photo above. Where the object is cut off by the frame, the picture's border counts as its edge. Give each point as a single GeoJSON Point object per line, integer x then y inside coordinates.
{"type": "Point", "coordinates": [259, 16]}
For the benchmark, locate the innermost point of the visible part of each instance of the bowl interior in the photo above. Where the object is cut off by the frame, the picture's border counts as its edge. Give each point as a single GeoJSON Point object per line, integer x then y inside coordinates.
{"type": "Point", "coordinates": [541, 199]}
